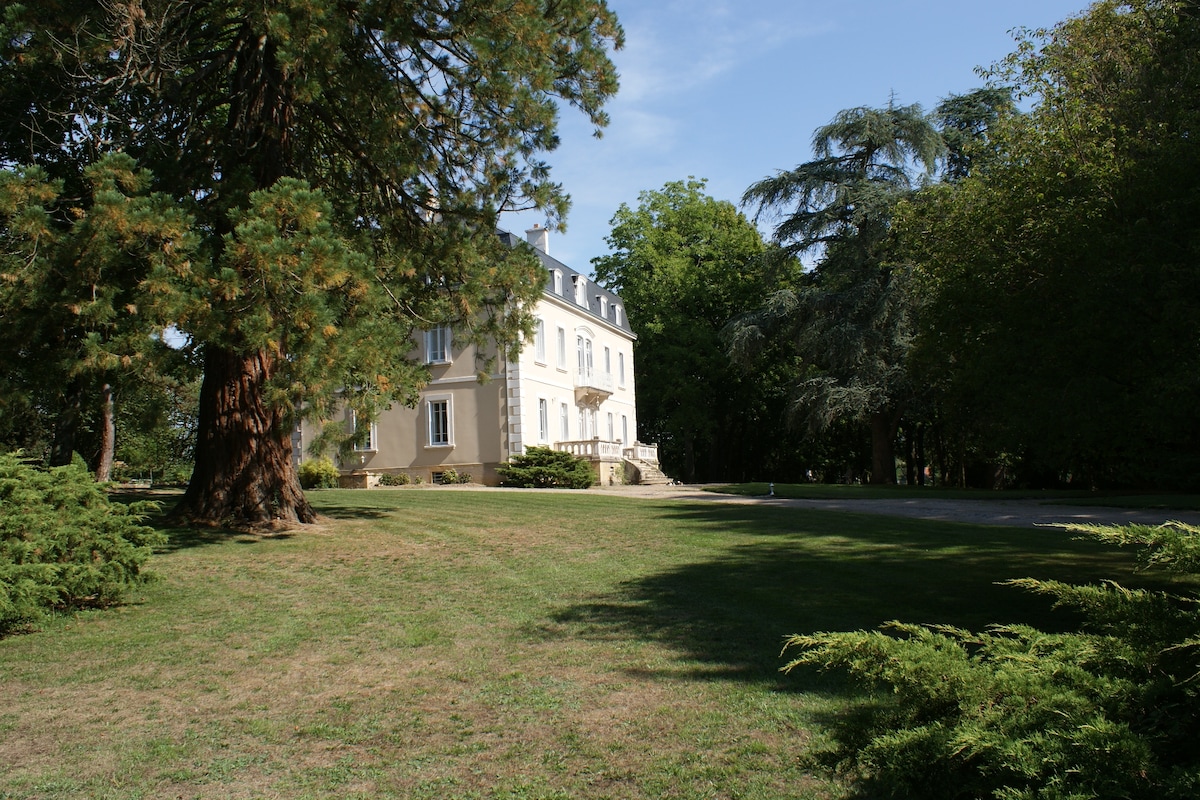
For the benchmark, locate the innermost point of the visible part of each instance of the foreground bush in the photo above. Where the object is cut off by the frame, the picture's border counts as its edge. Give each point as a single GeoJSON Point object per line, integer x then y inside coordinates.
{"type": "Point", "coordinates": [1016, 713]}
{"type": "Point", "coordinates": [63, 544]}
{"type": "Point", "coordinates": [543, 468]}
{"type": "Point", "coordinates": [318, 473]}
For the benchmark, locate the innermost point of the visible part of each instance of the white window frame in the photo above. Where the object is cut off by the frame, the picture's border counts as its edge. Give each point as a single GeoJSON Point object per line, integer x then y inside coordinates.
{"type": "Point", "coordinates": [564, 421]}
{"type": "Point", "coordinates": [607, 360]}
{"type": "Point", "coordinates": [558, 282]}
{"type": "Point", "coordinates": [624, 429]}
{"type": "Point", "coordinates": [437, 345]}
{"type": "Point", "coordinates": [611, 431]}
{"type": "Point", "coordinates": [539, 341]}
{"type": "Point", "coordinates": [621, 370]}
{"type": "Point", "coordinates": [580, 290]}
{"type": "Point", "coordinates": [562, 348]}
{"type": "Point", "coordinates": [543, 420]}
{"type": "Point", "coordinates": [371, 445]}
{"type": "Point", "coordinates": [430, 403]}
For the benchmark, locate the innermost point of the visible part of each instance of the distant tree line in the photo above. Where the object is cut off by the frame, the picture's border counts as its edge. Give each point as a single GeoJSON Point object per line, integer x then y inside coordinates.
{"type": "Point", "coordinates": [981, 295]}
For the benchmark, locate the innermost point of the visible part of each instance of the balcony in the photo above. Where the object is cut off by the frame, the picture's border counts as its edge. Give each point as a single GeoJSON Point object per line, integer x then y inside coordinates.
{"type": "Point", "coordinates": [592, 388]}
{"type": "Point", "coordinates": [592, 449]}
{"type": "Point", "coordinates": [642, 452]}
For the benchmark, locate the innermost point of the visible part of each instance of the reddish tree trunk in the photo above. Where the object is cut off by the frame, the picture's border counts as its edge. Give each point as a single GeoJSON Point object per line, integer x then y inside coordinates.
{"type": "Point", "coordinates": [108, 434]}
{"type": "Point", "coordinates": [883, 447]}
{"type": "Point", "coordinates": [244, 473]}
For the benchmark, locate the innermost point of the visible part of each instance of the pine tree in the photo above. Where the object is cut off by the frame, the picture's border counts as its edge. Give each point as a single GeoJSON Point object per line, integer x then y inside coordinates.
{"type": "Point", "coordinates": [851, 322]}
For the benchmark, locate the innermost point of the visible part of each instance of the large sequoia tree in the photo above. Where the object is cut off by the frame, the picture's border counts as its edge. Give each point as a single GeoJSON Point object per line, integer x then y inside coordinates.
{"type": "Point", "coordinates": [343, 164]}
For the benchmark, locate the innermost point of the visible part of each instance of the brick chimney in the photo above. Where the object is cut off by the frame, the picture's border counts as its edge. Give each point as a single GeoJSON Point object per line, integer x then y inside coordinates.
{"type": "Point", "coordinates": [539, 237]}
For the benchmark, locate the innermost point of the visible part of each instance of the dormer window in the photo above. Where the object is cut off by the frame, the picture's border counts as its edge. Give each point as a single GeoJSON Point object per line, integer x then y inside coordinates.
{"type": "Point", "coordinates": [617, 314]}
{"type": "Point", "coordinates": [557, 282]}
{"type": "Point", "coordinates": [580, 290]}
{"type": "Point", "coordinates": [603, 305]}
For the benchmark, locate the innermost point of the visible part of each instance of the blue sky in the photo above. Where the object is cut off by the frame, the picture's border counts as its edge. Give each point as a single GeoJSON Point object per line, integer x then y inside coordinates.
{"type": "Point", "coordinates": [732, 91]}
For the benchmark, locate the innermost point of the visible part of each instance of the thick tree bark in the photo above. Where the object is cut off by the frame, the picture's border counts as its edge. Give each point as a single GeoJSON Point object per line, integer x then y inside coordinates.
{"type": "Point", "coordinates": [244, 473]}
{"type": "Point", "coordinates": [108, 434]}
{"type": "Point", "coordinates": [883, 447]}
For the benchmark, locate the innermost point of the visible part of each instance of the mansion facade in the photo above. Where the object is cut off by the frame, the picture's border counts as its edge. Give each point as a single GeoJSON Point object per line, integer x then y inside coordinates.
{"type": "Point", "coordinates": [571, 388]}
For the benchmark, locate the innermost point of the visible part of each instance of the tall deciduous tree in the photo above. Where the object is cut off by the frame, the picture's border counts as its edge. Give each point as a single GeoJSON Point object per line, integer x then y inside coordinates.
{"type": "Point", "coordinates": [851, 322]}
{"type": "Point", "coordinates": [345, 163]}
{"type": "Point", "coordinates": [1063, 294]}
{"type": "Point", "coordinates": [685, 263]}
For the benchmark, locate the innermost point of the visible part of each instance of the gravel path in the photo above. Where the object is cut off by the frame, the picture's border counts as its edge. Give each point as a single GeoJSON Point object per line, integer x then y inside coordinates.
{"type": "Point", "coordinates": [1018, 513]}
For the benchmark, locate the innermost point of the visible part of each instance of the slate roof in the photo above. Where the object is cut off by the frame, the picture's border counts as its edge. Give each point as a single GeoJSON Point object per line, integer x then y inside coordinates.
{"type": "Point", "coordinates": [594, 290]}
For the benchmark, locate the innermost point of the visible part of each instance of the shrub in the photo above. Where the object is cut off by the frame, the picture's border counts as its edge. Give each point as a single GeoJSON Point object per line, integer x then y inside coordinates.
{"type": "Point", "coordinates": [398, 479]}
{"type": "Point", "coordinates": [318, 473]}
{"type": "Point", "coordinates": [451, 476]}
{"type": "Point", "coordinates": [543, 468]}
{"type": "Point", "coordinates": [1110, 710]}
{"type": "Point", "coordinates": [63, 544]}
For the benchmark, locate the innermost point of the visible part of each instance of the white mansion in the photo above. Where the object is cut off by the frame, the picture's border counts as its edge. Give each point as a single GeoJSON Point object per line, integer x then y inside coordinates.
{"type": "Point", "coordinates": [571, 388]}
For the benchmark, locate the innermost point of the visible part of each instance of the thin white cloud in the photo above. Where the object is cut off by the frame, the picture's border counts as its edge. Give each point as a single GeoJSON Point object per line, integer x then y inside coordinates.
{"type": "Point", "coordinates": [681, 47]}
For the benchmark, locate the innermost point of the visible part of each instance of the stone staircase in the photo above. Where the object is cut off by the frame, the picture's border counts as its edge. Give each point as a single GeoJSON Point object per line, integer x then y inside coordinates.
{"type": "Point", "coordinates": [648, 473]}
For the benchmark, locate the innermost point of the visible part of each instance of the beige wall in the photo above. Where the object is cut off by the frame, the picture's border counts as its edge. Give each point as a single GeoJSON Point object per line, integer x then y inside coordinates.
{"type": "Point", "coordinates": [502, 415]}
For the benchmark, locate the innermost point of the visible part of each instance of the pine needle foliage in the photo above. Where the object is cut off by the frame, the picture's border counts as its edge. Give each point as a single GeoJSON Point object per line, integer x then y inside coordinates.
{"type": "Point", "coordinates": [544, 468]}
{"type": "Point", "coordinates": [1014, 713]}
{"type": "Point", "coordinates": [63, 543]}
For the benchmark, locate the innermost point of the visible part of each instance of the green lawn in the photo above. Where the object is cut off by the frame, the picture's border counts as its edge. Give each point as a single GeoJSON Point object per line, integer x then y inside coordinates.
{"type": "Point", "coordinates": [457, 644]}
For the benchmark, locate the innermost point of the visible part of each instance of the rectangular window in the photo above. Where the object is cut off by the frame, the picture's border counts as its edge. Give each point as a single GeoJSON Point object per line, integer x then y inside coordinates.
{"type": "Point", "coordinates": [543, 420]}
{"type": "Point", "coordinates": [437, 345]}
{"type": "Point", "coordinates": [367, 445]}
{"type": "Point", "coordinates": [562, 348]}
{"type": "Point", "coordinates": [539, 341]}
{"type": "Point", "coordinates": [607, 361]}
{"type": "Point", "coordinates": [624, 429]}
{"type": "Point", "coordinates": [564, 422]}
{"type": "Point", "coordinates": [439, 423]}
{"type": "Point", "coordinates": [611, 432]}
{"type": "Point", "coordinates": [621, 370]}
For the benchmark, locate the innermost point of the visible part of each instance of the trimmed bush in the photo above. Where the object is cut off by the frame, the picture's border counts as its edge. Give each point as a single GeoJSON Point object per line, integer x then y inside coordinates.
{"type": "Point", "coordinates": [1110, 710]}
{"type": "Point", "coordinates": [63, 543]}
{"type": "Point", "coordinates": [452, 476]}
{"type": "Point", "coordinates": [543, 468]}
{"type": "Point", "coordinates": [399, 479]}
{"type": "Point", "coordinates": [318, 473]}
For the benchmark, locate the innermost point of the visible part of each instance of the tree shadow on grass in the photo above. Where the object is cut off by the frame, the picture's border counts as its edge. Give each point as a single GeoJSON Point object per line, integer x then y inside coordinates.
{"type": "Point", "coordinates": [801, 571]}
{"type": "Point", "coordinates": [349, 511]}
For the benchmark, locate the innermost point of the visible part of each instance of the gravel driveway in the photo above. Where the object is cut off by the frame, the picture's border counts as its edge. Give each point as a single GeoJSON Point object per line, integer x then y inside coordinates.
{"type": "Point", "coordinates": [982, 512]}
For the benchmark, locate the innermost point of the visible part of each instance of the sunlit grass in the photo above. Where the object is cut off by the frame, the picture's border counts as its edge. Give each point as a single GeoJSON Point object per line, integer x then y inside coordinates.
{"type": "Point", "coordinates": [459, 644]}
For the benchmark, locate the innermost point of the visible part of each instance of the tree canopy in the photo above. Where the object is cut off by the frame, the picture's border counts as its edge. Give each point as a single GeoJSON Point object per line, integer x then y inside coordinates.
{"type": "Point", "coordinates": [1059, 277]}
{"type": "Point", "coordinates": [342, 166]}
{"type": "Point", "coordinates": [684, 264]}
{"type": "Point", "coordinates": [850, 323]}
